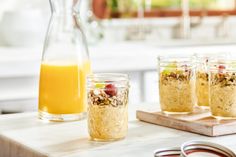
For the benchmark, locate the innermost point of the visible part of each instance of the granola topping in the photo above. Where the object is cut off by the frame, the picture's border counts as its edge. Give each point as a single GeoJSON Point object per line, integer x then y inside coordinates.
{"type": "Point", "coordinates": [177, 75]}
{"type": "Point", "coordinates": [224, 79]}
{"type": "Point", "coordinates": [203, 75]}
{"type": "Point", "coordinates": [101, 98]}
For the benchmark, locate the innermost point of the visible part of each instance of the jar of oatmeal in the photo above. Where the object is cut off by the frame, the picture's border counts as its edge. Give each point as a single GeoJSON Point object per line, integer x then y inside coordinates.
{"type": "Point", "coordinates": [202, 77]}
{"type": "Point", "coordinates": [223, 88]}
{"type": "Point", "coordinates": [202, 80]}
{"type": "Point", "coordinates": [176, 84]}
{"type": "Point", "coordinates": [107, 106]}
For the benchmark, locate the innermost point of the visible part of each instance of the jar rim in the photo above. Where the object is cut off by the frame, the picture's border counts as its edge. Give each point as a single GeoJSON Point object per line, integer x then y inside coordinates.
{"type": "Point", "coordinates": [119, 79]}
{"type": "Point", "coordinates": [111, 76]}
{"type": "Point", "coordinates": [176, 58]}
{"type": "Point", "coordinates": [212, 55]}
{"type": "Point", "coordinates": [223, 61]}
{"type": "Point", "coordinates": [102, 79]}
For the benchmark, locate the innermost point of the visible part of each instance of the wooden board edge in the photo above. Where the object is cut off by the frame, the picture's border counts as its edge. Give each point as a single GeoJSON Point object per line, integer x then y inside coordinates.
{"type": "Point", "coordinates": [172, 123]}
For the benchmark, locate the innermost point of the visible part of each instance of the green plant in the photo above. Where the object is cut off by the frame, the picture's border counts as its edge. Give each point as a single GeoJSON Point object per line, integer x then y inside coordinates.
{"type": "Point", "coordinates": [112, 5]}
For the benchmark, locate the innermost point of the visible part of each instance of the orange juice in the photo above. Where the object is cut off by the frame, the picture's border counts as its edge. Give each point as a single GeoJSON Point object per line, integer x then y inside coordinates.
{"type": "Point", "coordinates": [62, 88]}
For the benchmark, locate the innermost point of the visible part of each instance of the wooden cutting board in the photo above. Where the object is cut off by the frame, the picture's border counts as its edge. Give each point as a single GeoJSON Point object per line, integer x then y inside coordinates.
{"type": "Point", "coordinates": [200, 122]}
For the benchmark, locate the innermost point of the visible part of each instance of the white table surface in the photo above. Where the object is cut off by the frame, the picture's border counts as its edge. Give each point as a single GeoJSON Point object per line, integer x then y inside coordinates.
{"type": "Point", "coordinates": [71, 139]}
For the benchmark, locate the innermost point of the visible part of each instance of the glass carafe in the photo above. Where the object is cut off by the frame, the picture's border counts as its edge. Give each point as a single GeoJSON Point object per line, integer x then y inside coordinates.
{"type": "Point", "coordinates": [65, 64]}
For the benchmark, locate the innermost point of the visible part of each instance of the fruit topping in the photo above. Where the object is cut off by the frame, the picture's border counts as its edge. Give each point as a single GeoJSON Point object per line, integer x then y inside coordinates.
{"type": "Point", "coordinates": [170, 68]}
{"type": "Point", "coordinates": [100, 85]}
{"type": "Point", "coordinates": [111, 90]}
{"type": "Point", "coordinates": [221, 68]}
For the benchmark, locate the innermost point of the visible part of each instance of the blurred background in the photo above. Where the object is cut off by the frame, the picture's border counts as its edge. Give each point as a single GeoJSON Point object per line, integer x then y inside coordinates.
{"type": "Point", "coordinates": [123, 36]}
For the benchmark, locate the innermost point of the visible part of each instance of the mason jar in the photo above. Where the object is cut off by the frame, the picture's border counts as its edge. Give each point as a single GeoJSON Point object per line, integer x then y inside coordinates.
{"type": "Point", "coordinates": [176, 84]}
{"type": "Point", "coordinates": [202, 80]}
{"type": "Point", "coordinates": [107, 106]}
{"type": "Point", "coordinates": [202, 76]}
{"type": "Point", "coordinates": [223, 88]}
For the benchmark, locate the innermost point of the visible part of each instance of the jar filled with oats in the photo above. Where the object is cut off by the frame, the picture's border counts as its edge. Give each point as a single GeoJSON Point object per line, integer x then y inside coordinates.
{"type": "Point", "coordinates": [176, 84]}
{"type": "Point", "coordinates": [202, 77]}
{"type": "Point", "coordinates": [223, 88]}
{"type": "Point", "coordinates": [107, 106]}
{"type": "Point", "coordinates": [202, 83]}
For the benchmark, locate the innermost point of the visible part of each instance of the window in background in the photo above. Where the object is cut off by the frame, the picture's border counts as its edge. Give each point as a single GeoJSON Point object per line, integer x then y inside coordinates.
{"type": "Point", "coordinates": [161, 8]}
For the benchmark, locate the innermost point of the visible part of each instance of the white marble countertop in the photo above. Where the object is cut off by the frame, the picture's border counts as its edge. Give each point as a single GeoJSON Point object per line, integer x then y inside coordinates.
{"type": "Point", "coordinates": [71, 139]}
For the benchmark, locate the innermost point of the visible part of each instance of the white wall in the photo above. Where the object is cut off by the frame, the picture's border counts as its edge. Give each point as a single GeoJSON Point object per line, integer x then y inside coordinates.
{"type": "Point", "coordinates": [23, 23]}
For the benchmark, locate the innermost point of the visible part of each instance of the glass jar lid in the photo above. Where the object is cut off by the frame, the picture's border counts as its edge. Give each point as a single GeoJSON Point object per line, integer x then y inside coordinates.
{"type": "Point", "coordinates": [168, 152]}
{"type": "Point", "coordinates": [195, 149]}
{"type": "Point", "coordinates": [205, 149]}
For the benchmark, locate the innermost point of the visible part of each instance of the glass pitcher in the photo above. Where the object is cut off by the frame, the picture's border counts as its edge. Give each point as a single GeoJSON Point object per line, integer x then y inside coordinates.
{"type": "Point", "coordinates": [65, 64]}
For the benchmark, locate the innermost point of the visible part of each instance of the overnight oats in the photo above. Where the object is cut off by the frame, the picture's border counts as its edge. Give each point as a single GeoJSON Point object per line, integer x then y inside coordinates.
{"type": "Point", "coordinates": [108, 106]}
{"type": "Point", "coordinates": [223, 89]}
{"type": "Point", "coordinates": [176, 85]}
{"type": "Point", "coordinates": [202, 76]}
{"type": "Point", "coordinates": [202, 88]}
{"type": "Point", "coordinates": [202, 80]}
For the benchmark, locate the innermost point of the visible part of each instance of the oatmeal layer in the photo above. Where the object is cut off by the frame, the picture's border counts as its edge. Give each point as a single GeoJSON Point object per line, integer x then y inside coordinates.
{"type": "Point", "coordinates": [177, 92]}
{"type": "Point", "coordinates": [202, 89]}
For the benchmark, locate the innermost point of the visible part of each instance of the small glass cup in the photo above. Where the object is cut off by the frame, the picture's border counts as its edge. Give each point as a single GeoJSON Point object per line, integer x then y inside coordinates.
{"type": "Point", "coordinates": [107, 106]}
{"type": "Point", "coordinates": [223, 88]}
{"type": "Point", "coordinates": [176, 84]}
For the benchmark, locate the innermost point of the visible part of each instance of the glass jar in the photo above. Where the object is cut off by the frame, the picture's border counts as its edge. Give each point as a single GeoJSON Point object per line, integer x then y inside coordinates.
{"type": "Point", "coordinates": [65, 64]}
{"type": "Point", "coordinates": [176, 84]}
{"type": "Point", "coordinates": [107, 106]}
{"type": "Point", "coordinates": [223, 88]}
{"type": "Point", "coordinates": [202, 80]}
{"type": "Point", "coordinates": [202, 76]}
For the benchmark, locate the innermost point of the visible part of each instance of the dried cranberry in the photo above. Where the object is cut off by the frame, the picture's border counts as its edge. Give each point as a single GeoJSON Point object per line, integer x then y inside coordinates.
{"type": "Point", "coordinates": [111, 90]}
{"type": "Point", "coordinates": [221, 68]}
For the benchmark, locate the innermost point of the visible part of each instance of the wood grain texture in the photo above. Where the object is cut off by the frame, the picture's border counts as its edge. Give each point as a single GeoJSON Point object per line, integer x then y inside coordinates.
{"type": "Point", "coordinates": [199, 122]}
